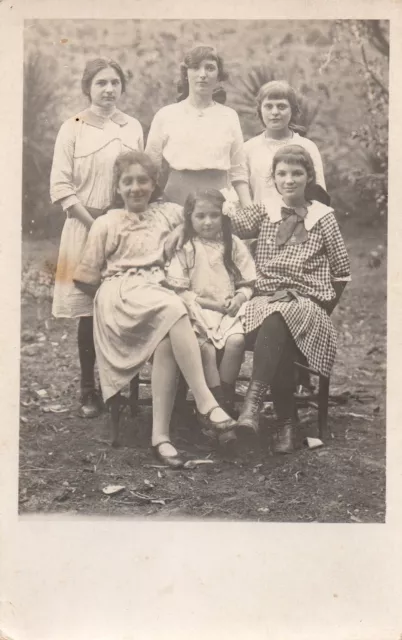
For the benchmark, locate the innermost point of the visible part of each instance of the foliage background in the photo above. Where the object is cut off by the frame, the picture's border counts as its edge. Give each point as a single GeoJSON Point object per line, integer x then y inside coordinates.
{"type": "Point", "coordinates": [340, 69]}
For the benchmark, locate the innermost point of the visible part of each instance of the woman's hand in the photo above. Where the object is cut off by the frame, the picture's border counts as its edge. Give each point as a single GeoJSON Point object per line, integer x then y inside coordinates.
{"type": "Point", "coordinates": [174, 241]}
{"type": "Point", "coordinates": [212, 305]}
{"type": "Point", "coordinates": [78, 211]}
{"type": "Point", "coordinates": [234, 304]}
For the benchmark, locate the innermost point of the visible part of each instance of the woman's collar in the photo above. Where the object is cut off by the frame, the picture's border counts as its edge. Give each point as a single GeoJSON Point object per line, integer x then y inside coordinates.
{"type": "Point", "coordinates": [315, 211]}
{"type": "Point", "coordinates": [96, 120]}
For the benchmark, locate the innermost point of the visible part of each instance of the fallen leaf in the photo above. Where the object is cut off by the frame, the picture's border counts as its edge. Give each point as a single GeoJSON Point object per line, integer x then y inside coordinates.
{"type": "Point", "coordinates": [190, 464]}
{"type": "Point", "coordinates": [313, 443]}
{"type": "Point", "coordinates": [162, 502]}
{"type": "Point", "coordinates": [113, 489]}
{"type": "Point", "coordinates": [41, 393]}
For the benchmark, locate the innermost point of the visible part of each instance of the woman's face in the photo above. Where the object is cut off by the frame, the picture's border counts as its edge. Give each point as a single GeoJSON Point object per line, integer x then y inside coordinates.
{"type": "Point", "coordinates": [105, 88]}
{"type": "Point", "coordinates": [135, 187]}
{"type": "Point", "coordinates": [207, 219]}
{"type": "Point", "coordinates": [291, 181]}
{"type": "Point", "coordinates": [276, 114]}
{"type": "Point", "coordinates": [203, 79]}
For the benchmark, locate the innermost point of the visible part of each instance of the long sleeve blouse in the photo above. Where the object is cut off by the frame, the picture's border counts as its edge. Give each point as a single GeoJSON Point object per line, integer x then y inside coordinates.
{"type": "Point", "coordinates": [309, 267]}
{"type": "Point", "coordinates": [85, 151]}
{"type": "Point", "coordinates": [187, 141]}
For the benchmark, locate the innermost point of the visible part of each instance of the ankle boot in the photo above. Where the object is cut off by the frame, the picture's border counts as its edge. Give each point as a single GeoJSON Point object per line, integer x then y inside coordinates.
{"type": "Point", "coordinates": [285, 439]}
{"type": "Point", "coordinates": [229, 397]}
{"type": "Point", "coordinates": [252, 405]}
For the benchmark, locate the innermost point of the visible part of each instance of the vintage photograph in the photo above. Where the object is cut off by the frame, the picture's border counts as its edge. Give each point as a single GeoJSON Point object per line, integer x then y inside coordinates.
{"type": "Point", "coordinates": [204, 269]}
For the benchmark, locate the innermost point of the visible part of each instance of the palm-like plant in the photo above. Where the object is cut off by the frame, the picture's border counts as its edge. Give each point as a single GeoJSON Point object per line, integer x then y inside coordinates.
{"type": "Point", "coordinates": [246, 87]}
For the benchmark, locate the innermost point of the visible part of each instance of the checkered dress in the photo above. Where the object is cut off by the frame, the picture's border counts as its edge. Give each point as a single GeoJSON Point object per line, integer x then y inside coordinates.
{"type": "Point", "coordinates": [309, 268]}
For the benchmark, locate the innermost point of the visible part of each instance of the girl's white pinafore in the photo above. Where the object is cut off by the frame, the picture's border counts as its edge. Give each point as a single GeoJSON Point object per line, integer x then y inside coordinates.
{"type": "Point", "coordinates": [198, 269]}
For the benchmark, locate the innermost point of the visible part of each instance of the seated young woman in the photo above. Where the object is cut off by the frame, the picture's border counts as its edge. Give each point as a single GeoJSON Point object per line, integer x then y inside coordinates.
{"type": "Point", "coordinates": [302, 268]}
{"type": "Point", "coordinates": [135, 317]}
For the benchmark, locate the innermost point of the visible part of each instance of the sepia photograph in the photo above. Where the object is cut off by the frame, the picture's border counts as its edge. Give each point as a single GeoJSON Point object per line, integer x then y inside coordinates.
{"type": "Point", "coordinates": [204, 267]}
{"type": "Point", "coordinates": [200, 336]}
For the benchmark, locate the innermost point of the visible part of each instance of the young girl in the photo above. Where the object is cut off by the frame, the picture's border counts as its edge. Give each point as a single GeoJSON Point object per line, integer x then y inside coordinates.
{"type": "Point", "coordinates": [135, 316]}
{"type": "Point", "coordinates": [215, 273]}
{"type": "Point", "coordinates": [278, 110]}
{"type": "Point", "coordinates": [81, 182]}
{"type": "Point", "coordinates": [302, 266]}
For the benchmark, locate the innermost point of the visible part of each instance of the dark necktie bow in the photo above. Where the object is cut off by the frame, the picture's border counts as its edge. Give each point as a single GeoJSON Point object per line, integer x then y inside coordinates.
{"type": "Point", "coordinates": [292, 226]}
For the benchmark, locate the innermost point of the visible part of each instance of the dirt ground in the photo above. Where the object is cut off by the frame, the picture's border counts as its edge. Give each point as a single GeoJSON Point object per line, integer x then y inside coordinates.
{"type": "Point", "coordinates": [67, 462]}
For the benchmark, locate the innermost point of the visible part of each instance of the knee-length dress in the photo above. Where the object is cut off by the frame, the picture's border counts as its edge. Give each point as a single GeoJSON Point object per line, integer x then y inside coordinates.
{"type": "Point", "coordinates": [259, 153]}
{"type": "Point", "coordinates": [307, 269]}
{"type": "Point", "coordinates": [86, 148]}
{"type": "Point", "coordinates": [133, 311]}
{"type": "Point", "coordinates": [198, 269]}
{"type": "Point", "coordinates": [203, 148]}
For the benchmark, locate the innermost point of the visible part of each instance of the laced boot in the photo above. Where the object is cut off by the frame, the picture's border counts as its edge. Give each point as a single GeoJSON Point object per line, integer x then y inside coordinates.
{"type": "Point", "coordinates": [252, 405]}
{"type": "Point", "coordinates": [285, 438]}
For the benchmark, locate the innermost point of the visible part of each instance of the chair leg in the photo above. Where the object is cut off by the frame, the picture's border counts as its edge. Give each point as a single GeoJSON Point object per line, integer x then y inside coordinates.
{"type": "Point", "coordinates": [324, 430]}
{"type": "Point", "coordinates": [134, 395]}
{"type": "Point", "coordinates": [115, 408]}
{"type": "Point", "coordinates": [180, 404]}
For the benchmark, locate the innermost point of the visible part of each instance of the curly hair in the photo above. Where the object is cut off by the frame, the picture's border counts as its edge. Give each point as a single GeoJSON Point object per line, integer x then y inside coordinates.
{"type": "Point", "coordinates": [191, 61]}
{"type": "Point", "coordinates": [215, 197]}
{"type": "Point", "coordinates": [124, 161]}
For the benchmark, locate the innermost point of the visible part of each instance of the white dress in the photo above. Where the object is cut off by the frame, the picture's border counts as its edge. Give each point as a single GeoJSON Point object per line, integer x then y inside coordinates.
{"type": "Point", "coordinates": [198, 269]}
{"type": "Point", "coordinates": [86, 148]}
{"type": "Point", "coordinates": [133, 311]}
{"type": "Point", "coordinates": [260, 151]}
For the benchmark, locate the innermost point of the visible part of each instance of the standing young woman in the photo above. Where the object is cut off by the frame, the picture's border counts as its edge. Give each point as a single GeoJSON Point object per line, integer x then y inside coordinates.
{"type": "Point", "coordinates": [86, 148]}
{"type": "Point", "coordinates": [199, 138]}
{"type": "Point", "coordinates": [278, 109]}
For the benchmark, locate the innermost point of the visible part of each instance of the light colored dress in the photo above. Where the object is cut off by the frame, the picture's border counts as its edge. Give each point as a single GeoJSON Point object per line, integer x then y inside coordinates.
{"type": "Point", "coordinates": [260, 151]}
{"type": "Point", "coordinates": [198, 270]}
{"type": "Point", "coordinates": [86, 148]}
{"type": "Point", "coordinates": [193, 143]}
{"type": "Point", "coordinates": [133, 312]}
{"type": "Point", "coordinates": [307, 269]}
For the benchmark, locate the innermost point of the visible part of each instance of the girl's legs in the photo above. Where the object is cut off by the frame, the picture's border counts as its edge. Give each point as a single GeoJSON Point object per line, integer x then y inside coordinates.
{"type": "Point", "coordinates": [274, 348]}
{"type": "Point", "coordinates": [163, 384]}
{"type": "Point", "coordinates": [232, 358]}
{"type": "Point", "coordinates": [229, 368]}
{"type": "Point", "coordinates": [86, 350]}
{"type": "Point", "coordinates": [209, 364]}
{"type": "Point", "coordinates": [187, 355]}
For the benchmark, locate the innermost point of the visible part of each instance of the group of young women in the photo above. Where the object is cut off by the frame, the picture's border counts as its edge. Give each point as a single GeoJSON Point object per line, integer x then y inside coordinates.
{"type": "Point", "coordinates": [154, 268]}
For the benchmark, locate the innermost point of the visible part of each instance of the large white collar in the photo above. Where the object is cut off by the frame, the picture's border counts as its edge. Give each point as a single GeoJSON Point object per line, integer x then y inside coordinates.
{"type": "Point", "coordinates": [315, 211]}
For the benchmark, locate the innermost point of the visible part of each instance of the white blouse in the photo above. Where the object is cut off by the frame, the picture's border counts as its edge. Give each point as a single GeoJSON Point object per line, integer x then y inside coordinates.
{"type": "Point", "coordinates": [260, 151]}
{"type": "Point", "coordinates": [86, 148]}
{"type": "Point", "coordinates": [188, 138]}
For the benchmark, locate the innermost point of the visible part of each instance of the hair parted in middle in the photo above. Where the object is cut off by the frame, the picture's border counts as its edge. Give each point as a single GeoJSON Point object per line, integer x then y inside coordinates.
{"type": "Point", "coordinates": [215, 197]}
{"type": "Point", "coordinates": [127, 159]}
{"type": "Point", "coordinates": [192, 60]}
{"type": "Point", "coordinates": [93, 67]}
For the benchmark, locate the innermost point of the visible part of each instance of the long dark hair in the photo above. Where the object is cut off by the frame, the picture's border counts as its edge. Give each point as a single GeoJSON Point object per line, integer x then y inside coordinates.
{"type": "Point", "coordinates": [215, 197]}
{"type": "Point", "coordinates": [191, 61]}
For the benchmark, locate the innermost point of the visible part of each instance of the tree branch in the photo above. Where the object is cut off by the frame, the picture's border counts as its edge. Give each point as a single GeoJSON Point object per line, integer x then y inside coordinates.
{"type": "Point", "coordinates": [383, 88]}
